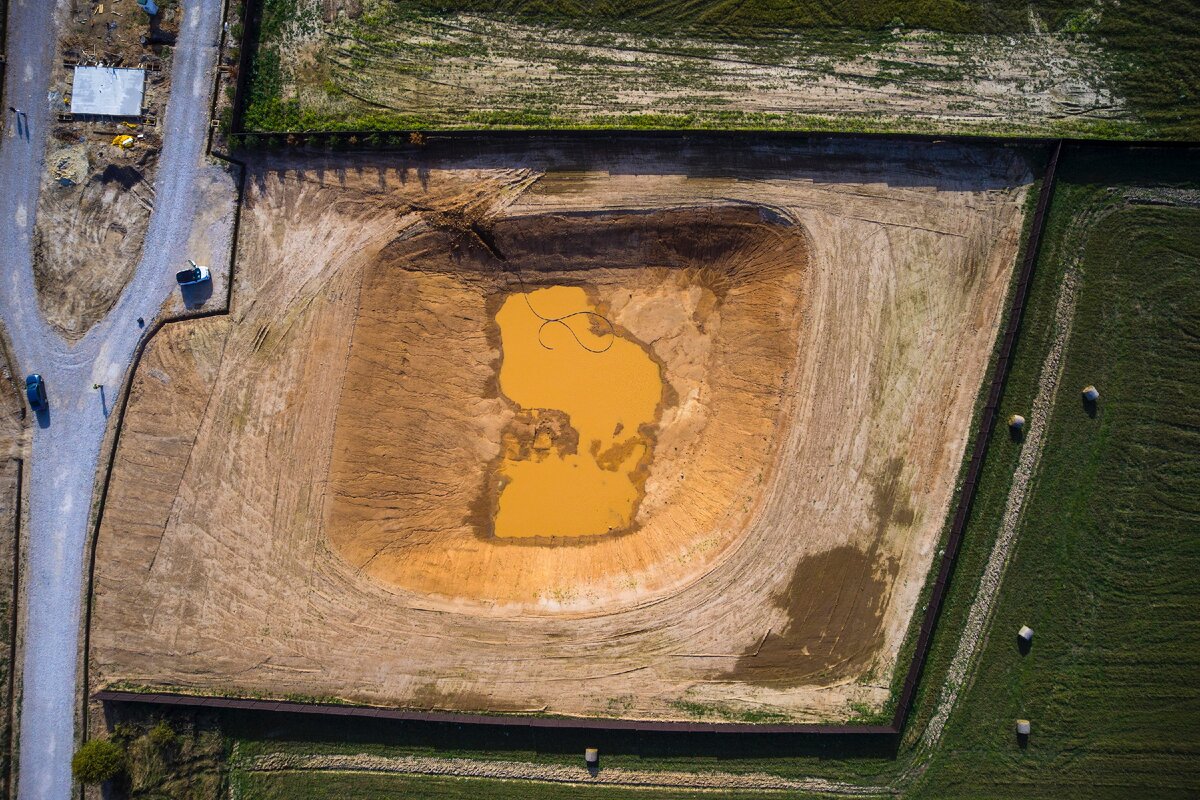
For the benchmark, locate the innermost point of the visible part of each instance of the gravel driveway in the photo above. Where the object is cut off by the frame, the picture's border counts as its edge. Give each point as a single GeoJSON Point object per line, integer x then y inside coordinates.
{"type": "Point", "coordinates": [66, 442]}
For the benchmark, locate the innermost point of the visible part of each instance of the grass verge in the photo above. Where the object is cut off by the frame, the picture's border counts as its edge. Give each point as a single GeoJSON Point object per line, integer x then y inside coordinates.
{"type": "Point", "coordinates": [337, 786]}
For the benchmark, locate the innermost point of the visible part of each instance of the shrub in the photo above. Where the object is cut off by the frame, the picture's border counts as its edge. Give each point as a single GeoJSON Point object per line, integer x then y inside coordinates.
{"type": "Point", "coordinates": [123, 733]}
{"type": "Point", "coordinates": [162, 735]}
{"type": "Point", "coordinates": [98, 760]}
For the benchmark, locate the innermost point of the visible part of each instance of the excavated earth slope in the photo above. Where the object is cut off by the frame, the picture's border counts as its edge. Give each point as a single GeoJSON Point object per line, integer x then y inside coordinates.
{"type": "Point", "coordinates": [716, 291]}
{"type": "Point", "coordinates": [303, 494]}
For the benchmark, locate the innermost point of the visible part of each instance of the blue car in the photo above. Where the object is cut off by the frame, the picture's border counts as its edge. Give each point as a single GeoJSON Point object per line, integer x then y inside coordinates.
{"type": "Point", "coordinates": [35, 391]}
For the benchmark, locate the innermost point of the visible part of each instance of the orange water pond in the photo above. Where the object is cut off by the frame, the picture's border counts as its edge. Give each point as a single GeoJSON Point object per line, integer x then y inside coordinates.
{"type": "Point", "coordinates": [588, 397]}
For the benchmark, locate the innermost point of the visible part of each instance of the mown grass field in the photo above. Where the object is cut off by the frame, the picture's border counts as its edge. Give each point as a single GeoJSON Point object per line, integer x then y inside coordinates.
{"type": "Point", "coordinates": [1105, 569]}
{"type": "Point", "coordinates": [896, 65]}
{"type": "Point", "coordinates": [338, 786]}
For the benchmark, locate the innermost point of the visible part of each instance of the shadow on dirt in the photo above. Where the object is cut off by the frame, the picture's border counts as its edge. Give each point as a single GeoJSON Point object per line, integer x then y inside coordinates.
{"type": "Point", "coordinates": [126, 176]}
{"type": "Point", "coordinates": [698, 154]}
{"type": "Point", "coordinates": [196, 294]}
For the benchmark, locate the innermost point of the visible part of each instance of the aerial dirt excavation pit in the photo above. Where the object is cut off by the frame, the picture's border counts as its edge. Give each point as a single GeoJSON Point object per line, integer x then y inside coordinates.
{"type": "Point", "coordinates": [715, 485]}
{"type": "Point", "coordinates": [580, 401]}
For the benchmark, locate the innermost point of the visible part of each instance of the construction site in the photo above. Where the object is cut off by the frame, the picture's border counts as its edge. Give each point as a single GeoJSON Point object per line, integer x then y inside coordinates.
{"type": "Point", "coordinates": [108, 88]}
{"type": "Point", "coordinates": [628, 399]}
{"type": "Point", "coordinates": [578, 432]}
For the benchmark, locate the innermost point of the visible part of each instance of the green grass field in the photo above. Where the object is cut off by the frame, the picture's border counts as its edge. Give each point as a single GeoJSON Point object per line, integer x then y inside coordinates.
{"type": "Point", "coordinates": [445, 64]}
{"type": "Point", "coordinates": [1105, 570]}
{"type": "Point", "coordinates": [339, 786]}
{"type": "Point", "coordinates": [755, 17]}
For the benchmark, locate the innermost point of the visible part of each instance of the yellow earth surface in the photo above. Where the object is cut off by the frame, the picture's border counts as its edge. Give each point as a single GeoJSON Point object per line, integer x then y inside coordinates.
{"type": "Point", "coordinates": [560, 354]}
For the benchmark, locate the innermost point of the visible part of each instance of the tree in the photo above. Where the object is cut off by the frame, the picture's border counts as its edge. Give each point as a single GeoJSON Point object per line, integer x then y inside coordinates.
{"type": "Point", "coordinates": [98, 760]}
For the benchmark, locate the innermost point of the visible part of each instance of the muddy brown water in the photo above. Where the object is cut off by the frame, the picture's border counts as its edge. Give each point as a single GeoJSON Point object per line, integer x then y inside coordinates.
{"type": "Point", "coordinates": [560, 354]}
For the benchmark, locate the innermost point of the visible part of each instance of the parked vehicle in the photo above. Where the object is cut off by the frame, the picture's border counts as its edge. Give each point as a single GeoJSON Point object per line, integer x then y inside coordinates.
{"type": "Point", "coordinates": [35, 392]}
{"type": "Point", "coordinates": [192, 275]}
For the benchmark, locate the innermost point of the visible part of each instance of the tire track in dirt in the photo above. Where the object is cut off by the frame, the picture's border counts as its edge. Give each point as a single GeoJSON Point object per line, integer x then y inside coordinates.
{"type": "Point", "coordinates": [973, 634]}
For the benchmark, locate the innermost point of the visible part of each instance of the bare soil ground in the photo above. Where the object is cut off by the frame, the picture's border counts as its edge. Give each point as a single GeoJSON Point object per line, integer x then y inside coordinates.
{"type": "Point", "coordinates": [9, 490]}
{"type": "Point", "coordinates": [292, 504]}
{"type": "Point", "coordinates": [12, 421]}
{"type": "Point", "coordinates": [96, 198]}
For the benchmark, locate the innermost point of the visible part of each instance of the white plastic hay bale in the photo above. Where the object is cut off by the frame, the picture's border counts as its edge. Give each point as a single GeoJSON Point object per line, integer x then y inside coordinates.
{"type": "Point", "coordinates": [1026, 633]}
{"type": "Point", "coordinates": [1023, 727]}
{"type": "Point", "coordinates": [592, 756]}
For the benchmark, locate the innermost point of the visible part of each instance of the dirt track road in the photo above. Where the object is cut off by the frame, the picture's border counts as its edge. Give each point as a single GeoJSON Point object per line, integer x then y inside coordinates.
{"type": "Point", "coordinates": [66, 442]}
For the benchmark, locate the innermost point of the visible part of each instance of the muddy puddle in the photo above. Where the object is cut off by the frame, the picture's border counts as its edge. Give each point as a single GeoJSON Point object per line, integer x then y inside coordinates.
{"type": "Point", "coordinates": [574, 458]}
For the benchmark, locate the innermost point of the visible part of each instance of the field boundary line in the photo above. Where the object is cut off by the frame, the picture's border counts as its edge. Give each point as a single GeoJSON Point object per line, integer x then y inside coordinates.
{"type": "Point", "coordinates": [168, 698]}
{"type": "Point", "coordinates": [980, 614]}
{"type": "Point", "coordinates": [10, 779]}
{"type": "Point", "coordinates": [397, 140]}
{"type": "Point", "coordinates": [979, 450]}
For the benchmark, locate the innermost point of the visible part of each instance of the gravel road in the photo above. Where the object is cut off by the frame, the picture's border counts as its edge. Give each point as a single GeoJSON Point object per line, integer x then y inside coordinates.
{"type": "Point", "coordinates": [66, 441]}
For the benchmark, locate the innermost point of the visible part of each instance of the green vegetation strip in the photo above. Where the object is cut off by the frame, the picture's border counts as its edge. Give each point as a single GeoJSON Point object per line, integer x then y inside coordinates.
{"type": "Point", "coordinates": [441, 64]}
{"type": "Point", "coordinates": [1106, 566]}
{"type": "Point", "coordinates": [367, 786]}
